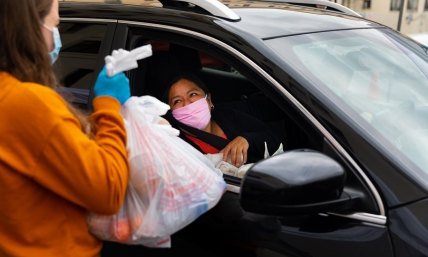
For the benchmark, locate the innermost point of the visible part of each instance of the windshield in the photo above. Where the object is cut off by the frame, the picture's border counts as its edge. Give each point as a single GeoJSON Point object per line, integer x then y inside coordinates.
{"type": "Point", "coordinates": [378, 78]}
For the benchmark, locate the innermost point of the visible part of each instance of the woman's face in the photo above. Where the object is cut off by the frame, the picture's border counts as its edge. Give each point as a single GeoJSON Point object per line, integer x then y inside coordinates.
{"type": "Point", "coordinates": [51, 21]}
{"type": "Point", "coordinates": [184, 92]}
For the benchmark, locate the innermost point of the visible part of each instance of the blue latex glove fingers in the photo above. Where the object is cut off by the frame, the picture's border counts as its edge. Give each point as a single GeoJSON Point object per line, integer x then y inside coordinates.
{"type": "Point", "coordinates": [116, 86]}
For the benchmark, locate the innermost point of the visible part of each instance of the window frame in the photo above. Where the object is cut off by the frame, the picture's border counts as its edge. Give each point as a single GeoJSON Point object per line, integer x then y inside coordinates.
{"type": "Point", "coordinates": [98, 60]}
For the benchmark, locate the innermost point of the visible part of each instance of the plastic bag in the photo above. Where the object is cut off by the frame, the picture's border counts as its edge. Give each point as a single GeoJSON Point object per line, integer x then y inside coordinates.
{"type": "Point", "coordinates": [171, 183]}
{"type": "Point", "coordinates": [229, 169]}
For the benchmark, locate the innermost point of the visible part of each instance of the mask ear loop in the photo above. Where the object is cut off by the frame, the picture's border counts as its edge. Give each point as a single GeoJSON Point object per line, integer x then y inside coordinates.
{"type": "Point", "coordinates": [51, 30]}
{"type": "Point", "coordinates": [212, 105]}
{"type": "Point", "coordinates": [46, 27]}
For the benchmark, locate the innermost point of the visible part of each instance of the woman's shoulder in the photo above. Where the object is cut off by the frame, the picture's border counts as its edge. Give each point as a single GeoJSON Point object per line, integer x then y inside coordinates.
{"type": "Point", "coordinates": [32, 98]}
{"type": "Point", "coordinates": [42, 93]}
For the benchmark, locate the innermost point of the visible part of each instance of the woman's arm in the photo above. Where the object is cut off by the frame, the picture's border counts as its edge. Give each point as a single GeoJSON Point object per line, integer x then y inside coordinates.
{"type": "Point", "coordinates": [238, 124]}
{"type": "Point", "coordinates": [91, 173]}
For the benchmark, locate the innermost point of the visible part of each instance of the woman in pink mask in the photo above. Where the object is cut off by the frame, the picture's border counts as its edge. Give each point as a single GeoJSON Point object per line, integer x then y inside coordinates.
{"type": "Point", "coordinates": [240, 137]}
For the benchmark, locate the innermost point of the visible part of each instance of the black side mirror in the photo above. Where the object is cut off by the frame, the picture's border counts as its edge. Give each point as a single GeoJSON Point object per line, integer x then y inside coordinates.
{"type": "Point", "coordinates": [295, 182]}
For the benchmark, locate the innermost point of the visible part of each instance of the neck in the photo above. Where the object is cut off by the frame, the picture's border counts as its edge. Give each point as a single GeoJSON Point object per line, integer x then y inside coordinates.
{"type": "Point", "coordinates": [209, 127]}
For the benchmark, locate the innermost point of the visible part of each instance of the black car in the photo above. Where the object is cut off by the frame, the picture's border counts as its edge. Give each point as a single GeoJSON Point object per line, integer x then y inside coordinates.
{"type": "Point", "coordinates": [347, 96]}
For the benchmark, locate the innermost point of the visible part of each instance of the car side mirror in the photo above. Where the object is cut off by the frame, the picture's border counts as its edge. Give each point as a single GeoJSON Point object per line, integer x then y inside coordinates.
{"type": "Point", "coordinates": [295, 182]}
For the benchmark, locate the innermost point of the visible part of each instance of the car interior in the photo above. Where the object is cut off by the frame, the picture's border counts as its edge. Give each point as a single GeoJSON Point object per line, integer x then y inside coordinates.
{"type": "Point", "coordinates": [228, 86]}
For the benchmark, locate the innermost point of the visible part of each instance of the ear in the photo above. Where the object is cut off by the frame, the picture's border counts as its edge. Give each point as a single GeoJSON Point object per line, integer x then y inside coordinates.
{"type": "Point", "coordinates": [210, 103]}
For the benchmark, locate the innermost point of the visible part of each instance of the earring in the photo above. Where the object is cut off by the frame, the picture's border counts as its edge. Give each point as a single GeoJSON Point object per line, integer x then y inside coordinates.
{"type": "Point", "coordinates": [212, 107]}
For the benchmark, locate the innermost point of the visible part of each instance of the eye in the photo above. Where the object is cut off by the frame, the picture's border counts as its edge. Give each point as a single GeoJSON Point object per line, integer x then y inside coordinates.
{"type": "Point", "coordinates": [195, 94]}
{"type": "Point", "coordinates": [176, 101]}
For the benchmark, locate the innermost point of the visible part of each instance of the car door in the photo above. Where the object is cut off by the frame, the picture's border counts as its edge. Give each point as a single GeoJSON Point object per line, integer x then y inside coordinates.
{"type": "Point", "coordinates": [228, 230]}
{"type": "Point", "coordinates": [84, 46]}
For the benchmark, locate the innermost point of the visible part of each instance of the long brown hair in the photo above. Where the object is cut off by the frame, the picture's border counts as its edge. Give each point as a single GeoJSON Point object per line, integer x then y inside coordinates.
{"type": "Point", "coordinates": [23, 50]}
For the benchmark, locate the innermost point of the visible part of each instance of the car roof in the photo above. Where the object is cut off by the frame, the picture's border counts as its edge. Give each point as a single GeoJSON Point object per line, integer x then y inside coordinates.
{"type": "Point", "coordinates": [313, 3]}
{"type": "Point", "coordinates": [264, 19]}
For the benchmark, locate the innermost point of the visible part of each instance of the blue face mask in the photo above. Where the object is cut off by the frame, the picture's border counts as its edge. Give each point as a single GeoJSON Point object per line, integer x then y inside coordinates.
{"type": "Point", "coordinates": [57, 43]}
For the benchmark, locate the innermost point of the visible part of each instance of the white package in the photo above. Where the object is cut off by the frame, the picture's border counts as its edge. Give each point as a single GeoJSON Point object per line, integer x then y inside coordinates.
{"type": "Point", "coordinates": [123, 60]}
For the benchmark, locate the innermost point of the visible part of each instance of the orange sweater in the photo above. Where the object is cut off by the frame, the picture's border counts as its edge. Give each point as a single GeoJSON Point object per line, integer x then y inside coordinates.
{"type": "Point", "coordinates": [51, 173]}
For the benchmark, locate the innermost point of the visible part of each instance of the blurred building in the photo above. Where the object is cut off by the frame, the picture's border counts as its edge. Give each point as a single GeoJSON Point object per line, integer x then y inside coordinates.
{"type": "Point", "coordinates": [414, 18]}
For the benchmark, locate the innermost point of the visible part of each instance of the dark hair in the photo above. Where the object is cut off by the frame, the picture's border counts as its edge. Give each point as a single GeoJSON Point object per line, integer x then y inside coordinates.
{"type": "Point", "coordinates": [23, 50]}
{"type": "Point", "coordinates": [187, 76]}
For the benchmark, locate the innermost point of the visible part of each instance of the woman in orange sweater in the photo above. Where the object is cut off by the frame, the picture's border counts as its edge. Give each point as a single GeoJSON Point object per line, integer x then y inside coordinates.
{"type": "Point", "coordinates": [51, 172]}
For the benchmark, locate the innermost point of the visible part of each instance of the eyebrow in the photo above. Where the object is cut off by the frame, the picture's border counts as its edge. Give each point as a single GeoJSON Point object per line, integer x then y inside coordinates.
{"type": "Point", "coordinates": [187, 92]}
{"type": "Point", "coordinates": [195, 89]}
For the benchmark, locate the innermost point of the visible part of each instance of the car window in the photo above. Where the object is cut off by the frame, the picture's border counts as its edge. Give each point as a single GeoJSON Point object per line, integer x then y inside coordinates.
{"type": "Point", "coordinates": [381, 82]}
{"type": "Point", "coordinates": [229, 87]}
{"type": "Point", "coordinates": [234, 83]}
{"type": "Point", "coordinates": [78, 59]}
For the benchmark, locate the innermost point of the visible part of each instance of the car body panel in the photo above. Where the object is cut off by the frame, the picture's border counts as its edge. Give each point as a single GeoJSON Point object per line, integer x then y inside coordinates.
{"type": "Point", "coordinates": [408, 231]}
{"type": "Point", "coordinates": [356, 240]}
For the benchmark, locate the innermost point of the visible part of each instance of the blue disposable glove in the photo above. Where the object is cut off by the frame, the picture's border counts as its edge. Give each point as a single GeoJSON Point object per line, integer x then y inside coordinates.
{"type": "Point", "coordinates": [116, 86]}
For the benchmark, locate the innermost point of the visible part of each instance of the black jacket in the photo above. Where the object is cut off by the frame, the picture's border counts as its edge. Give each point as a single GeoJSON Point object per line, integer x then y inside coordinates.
{"type": "Point", "coordinates": [234, 123]}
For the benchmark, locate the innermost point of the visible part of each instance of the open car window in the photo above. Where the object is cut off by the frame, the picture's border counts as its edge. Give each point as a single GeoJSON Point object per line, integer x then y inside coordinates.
{"type": "Point", "coordinates": [233, 84]}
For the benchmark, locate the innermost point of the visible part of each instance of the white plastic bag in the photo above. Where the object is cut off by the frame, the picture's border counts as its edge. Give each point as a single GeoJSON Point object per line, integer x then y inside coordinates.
{"type": "Point", "coordinates": [229, 169]}
{"type": "Point", "coordinates": [171, 183]}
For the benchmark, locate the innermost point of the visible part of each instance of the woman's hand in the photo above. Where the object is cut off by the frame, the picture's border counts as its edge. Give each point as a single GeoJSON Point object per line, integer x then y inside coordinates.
{"type": "Point", "coordinates": [116, 86]}
{"type": "Point", "coordinates": [236, 151]}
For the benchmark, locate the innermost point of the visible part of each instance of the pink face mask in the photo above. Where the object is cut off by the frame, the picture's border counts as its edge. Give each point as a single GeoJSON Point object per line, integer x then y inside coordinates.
{"type": "Point", "coordinates": [196, 114]}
